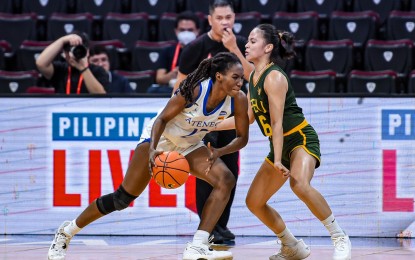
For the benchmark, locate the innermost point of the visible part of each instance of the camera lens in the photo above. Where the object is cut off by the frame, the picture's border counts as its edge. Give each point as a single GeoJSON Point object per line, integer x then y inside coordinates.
{"type": "Point", "coordinates": [79, 51]}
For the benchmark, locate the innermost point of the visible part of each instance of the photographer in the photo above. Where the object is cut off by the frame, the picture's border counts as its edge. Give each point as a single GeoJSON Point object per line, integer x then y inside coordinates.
{"type": "Point", "coordinates": [74, 76]}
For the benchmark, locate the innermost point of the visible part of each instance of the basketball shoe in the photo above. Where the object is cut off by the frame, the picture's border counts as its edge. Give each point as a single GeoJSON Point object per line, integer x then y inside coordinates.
{"type": "Point", "coordinates": [204, 252]}
{"type": "Point", "coordinates": [294, 252]}
{"type": "Point", "coordinates": [342, 248]}
{"type": "Point", "coordinates": [225, 232]}
{"type": "Point", "coordinates": [216, 237]}
{"type": "Point", "coordinates": [60, 243]}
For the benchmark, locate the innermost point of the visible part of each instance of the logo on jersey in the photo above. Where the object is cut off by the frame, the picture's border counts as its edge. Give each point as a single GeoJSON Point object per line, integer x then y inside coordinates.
{"type": "Point", "coordinates": [223, 113]}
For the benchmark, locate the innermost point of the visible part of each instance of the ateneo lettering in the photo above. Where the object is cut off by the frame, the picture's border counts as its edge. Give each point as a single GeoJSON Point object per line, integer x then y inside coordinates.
{"type": "Point", "coordinates": [203, 124]}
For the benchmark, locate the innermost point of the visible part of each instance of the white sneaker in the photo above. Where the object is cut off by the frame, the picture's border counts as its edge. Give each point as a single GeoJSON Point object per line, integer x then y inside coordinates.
{"type": "Point", "coordinates": [60, 243]}
{"type": "Point", "coordinates": [342, 248]}
{"type": "Point", "coordinates": [295, 252]}
{"type": "Point", "coordinates": [204, 252]}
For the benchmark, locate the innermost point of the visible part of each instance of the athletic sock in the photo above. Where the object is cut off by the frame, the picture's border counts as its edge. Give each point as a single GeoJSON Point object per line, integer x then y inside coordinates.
{"type": "Point", "coordinates": [201, 237]}
{"type": "Point", "coordinates": [286, 237]}
{"type": "Point", "coordinates": [333, 227]}
{"type": "Point", "coordinates": [72, 228]}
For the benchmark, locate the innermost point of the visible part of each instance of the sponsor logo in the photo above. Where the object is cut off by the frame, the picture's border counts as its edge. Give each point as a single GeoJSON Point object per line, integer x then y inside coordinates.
{"type": "Point", "coordinates": [99, 126]}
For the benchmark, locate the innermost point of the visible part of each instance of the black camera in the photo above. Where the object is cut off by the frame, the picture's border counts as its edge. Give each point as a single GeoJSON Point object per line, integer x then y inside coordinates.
{"type": "Point", "coordinates": [78, 51]}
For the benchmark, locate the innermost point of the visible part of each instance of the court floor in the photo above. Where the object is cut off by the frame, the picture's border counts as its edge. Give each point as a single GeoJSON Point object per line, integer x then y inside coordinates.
{"type": "Point", "coordinates": [16, 247]}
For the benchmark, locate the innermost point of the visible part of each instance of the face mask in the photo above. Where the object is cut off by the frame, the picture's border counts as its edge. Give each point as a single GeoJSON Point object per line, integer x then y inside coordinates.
{"type": "Point", "coordinates": [185, 37]}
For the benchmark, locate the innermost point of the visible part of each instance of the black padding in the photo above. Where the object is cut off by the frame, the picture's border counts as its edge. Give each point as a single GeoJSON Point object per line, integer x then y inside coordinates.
{"type": "Point", "coordinates": [118, 200]}
{"type": "Point", "coordinates": [122, 198]}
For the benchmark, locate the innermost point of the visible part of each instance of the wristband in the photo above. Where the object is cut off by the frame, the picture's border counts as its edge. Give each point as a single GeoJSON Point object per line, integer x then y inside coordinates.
{"type": "Point", "coordinates": [84, 69]}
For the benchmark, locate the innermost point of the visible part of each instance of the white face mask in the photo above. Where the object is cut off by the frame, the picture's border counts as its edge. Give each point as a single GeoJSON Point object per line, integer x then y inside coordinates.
{"type": "Point", "coordinates": [185, 37]}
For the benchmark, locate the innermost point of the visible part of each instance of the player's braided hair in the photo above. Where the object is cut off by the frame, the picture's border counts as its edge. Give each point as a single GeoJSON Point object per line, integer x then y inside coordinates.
{"type": "Point", "coordinates": [208, 68]}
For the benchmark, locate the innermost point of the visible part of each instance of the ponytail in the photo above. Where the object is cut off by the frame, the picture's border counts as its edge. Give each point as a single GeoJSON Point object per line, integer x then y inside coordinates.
{"type": "Point", "coordinates": [286, 45]}
{"type": "Point", "coordinates": [282, 41]}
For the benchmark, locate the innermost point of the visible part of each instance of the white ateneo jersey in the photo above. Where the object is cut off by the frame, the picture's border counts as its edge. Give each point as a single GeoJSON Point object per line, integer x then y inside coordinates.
{"type": "Point", "coordinates": [194, 122]}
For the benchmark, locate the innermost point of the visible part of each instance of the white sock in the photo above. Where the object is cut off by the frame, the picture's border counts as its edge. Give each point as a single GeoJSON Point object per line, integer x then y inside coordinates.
{"type": "Point", "coordinates": [286, 237]}
{"type": "Point", "coordinates": [201, 237]}
{"type": "Point", "coordinates": [72, 228]}
{"type": "Point", "coordinates": [333, 227]}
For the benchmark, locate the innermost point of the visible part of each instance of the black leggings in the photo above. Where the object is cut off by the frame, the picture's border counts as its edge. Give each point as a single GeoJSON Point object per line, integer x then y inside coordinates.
{"type": "Point", "coordinates": [203, 189]}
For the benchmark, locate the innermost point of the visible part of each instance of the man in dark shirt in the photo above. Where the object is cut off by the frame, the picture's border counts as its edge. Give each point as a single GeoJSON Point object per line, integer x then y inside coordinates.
{"type": "Point", "coordinates": [98, 55]}
{"type": "Point", "coordinates": [220, 38]}
{"type": "Point", "coordinates": [75, 75]}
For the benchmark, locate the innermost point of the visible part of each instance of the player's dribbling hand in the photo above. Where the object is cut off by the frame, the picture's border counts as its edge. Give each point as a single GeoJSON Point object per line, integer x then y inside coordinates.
{"type": "Point", "coordinates": [282, 169]}
{"type": "Point", "coordinates": [152, 153]}
{"type": "Point", "coordinates": [212, 157]}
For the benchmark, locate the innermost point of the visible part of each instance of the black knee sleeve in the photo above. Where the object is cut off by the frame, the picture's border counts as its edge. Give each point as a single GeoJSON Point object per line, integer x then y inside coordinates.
{"type": "Point", "coordinates": [118, 200]}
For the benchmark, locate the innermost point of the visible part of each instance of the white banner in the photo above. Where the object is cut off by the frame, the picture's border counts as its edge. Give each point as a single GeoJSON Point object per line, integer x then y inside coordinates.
{"type": "Point", "coordinates": [59, 154]}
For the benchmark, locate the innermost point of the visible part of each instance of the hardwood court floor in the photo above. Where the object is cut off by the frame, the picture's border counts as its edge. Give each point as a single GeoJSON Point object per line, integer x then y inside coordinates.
{"type": "Point", "coordinates": [170, 247]}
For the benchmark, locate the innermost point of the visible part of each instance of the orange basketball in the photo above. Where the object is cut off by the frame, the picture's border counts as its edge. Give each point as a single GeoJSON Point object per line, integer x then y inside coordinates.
{"type": "Point", "coordinates": [171, 170]}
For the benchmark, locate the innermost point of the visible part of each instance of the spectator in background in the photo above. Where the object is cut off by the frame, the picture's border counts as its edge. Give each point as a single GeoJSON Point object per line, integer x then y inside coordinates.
{"type": "Point", "coordinates": [220, 38]}
{"type": "Point", "coordinates": [99, 56]}
{"type": "Point", "coordinates": [74, 75]}
{"type": "Point", "coordinates": [186, 29]}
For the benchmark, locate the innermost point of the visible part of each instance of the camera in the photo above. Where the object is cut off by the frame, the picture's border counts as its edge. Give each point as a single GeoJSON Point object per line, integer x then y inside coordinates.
{"type": "Point", "coordinates": [78, 51]}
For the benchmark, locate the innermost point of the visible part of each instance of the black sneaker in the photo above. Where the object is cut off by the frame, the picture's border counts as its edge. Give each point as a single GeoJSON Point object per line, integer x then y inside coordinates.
{"type": "Point", "coordinates": [216, 237]}
{"type": "Point", "coordinates": [225, 233]}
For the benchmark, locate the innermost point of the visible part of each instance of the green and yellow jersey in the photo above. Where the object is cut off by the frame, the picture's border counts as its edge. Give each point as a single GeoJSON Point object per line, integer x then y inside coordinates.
{"type": "Point", "coordinates": [293, 117]}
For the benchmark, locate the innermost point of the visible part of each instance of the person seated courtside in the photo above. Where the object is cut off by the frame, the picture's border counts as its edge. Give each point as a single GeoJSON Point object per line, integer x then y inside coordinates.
{"type": "Point", "coordinates": [186, 30]}
{"type": "Point", "coordinates": [98, 55]}
{"type": "Point", "coordinates": [74, 75]}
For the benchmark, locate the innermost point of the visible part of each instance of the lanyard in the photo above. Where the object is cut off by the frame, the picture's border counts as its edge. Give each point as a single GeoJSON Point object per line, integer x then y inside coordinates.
{"type": "Point", "coordinates": [68, 82]}
{"type": "Point", "coordinates": [176, 56]}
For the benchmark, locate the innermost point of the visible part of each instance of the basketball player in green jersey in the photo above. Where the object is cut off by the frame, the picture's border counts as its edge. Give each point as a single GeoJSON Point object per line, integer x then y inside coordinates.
{"type": "Point", "coordinates": [294, 145]}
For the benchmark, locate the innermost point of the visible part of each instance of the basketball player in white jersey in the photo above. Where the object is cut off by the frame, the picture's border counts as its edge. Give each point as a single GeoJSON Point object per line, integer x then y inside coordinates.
{"type": "Point", "coordinates": [206, 97]}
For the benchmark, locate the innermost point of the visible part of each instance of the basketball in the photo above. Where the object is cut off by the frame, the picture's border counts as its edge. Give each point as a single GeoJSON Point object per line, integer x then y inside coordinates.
{"type": "Point", "coordinates": [171, 170]}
